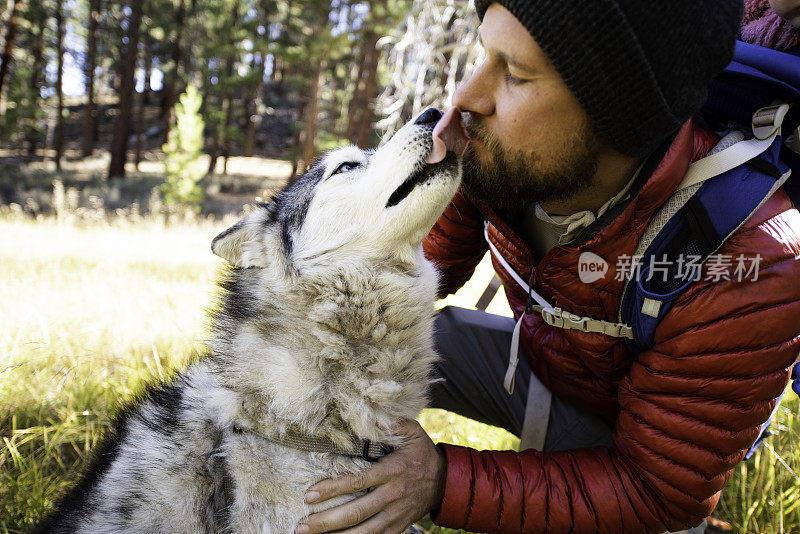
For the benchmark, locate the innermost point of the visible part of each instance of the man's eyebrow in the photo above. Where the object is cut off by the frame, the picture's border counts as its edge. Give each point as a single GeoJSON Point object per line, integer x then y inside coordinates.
{"type": "Point", "coordinates": [509, 59]}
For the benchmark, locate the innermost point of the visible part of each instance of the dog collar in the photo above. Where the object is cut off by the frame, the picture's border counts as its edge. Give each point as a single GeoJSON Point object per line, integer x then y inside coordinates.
{"type": "Point", "coordinates": [365, 449]}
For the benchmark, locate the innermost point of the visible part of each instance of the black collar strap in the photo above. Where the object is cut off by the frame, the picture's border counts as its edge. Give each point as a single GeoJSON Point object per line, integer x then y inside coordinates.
{"type": "Point", "coordinates": [358, 448]}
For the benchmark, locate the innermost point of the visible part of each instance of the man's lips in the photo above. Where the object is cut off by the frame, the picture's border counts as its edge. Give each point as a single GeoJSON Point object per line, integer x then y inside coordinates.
{"type": "Point", "coordinates": [448, 134]}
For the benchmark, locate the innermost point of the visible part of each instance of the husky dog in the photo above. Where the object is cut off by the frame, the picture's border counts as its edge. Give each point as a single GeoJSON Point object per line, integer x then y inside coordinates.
{"type": "Point", "coordinates": [320, 346]}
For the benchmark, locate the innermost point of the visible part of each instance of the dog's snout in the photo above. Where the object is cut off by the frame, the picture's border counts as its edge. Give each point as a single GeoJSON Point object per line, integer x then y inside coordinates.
{"type": "Point", "coordinates": [429, 116]}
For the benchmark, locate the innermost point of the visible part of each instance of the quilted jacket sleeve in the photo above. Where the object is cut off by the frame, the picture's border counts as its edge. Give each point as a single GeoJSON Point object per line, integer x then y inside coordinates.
{"type": "Point", "coordinates": [455, 244]}
{"type": "Point", "coordinates": [689, 409]}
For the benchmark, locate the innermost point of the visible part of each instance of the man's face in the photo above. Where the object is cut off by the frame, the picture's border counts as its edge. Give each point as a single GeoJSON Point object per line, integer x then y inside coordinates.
{"type": "Point", "coordinates": [788, 10]}
{"type": "Point", "coordinates": [531, 140]}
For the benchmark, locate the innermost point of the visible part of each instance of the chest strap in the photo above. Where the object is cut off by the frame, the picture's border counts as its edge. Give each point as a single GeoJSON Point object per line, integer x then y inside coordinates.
{"type": "Point", "coordinates": [551, 315]}
{"type": "Point", "coordinates": [358, 448]}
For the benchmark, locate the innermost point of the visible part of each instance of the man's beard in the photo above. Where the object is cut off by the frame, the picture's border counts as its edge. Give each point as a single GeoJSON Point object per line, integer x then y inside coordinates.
{"type": "Point", "coordinates": [509, 180]}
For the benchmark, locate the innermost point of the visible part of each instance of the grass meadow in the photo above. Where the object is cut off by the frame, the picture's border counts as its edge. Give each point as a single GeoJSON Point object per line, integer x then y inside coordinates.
{"type": "Point", "coordinates": [89, 312]}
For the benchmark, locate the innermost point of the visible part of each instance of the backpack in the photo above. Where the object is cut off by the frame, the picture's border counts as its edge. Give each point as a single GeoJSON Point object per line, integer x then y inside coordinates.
{"type": "Point", "coordinates": [751, 103]}
{"type": "Point", "coordinates": [754, 104]}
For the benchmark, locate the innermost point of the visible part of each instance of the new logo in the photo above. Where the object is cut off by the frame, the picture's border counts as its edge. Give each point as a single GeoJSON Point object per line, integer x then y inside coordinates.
{"type": "Point", "coordinates": [591, 267]}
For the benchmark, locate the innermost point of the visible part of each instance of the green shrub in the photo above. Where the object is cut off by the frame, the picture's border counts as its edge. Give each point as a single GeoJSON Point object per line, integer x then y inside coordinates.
{"type": "Point", "coordinates": [183, 150]}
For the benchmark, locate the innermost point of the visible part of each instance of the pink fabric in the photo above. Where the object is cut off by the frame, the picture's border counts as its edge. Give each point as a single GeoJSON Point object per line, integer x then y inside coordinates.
{"type": "Point", "coordinates": [763, 27]}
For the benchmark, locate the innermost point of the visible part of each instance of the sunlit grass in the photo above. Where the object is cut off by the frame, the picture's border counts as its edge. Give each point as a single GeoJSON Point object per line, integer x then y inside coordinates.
{"type": "Point", "coordinates": [88, 314]}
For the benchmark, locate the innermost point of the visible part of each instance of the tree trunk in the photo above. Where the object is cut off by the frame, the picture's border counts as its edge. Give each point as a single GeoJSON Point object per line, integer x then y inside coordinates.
{"type": "Point", "coordinates": [168, 102]}
{"type": "Point", "coordinates": [32, 135]}
{"type": "Point", "coordinates": [336, 105]}
{"type": "Point", "coordinates": [274, 75]}
{"type": "Point", "coordinates": [299, 134]}
{"type": "Point", "coordinates": [104, 50]}
{"type": "Point", "coordinates": [370, 90]}
{"type": "Point", "coordinates": [255, 101]}
{"type": "Point", "coordinates": [142, 100]}
{"type": "Point", "coordinates": [139, 126]}
{"type": "Point", "coordinates": [310, 144]}
{"type": "Point", "coordinates": [227, 109]}
{"type": "Point", "coordinates": [279, 69]}
{"type": "Point", "coordinates": [59, 129]}
{"type": "Point", "coordinates": [253, 108]}
{"type": "Point", "coordinates": [213, 151]}
{"type": "Point", "coordinates": [222, 133]}
{"type": "Point", "coordinates": [137, 153]}
{"type": "Point", "coordinates": [148, 65]}
{"type": "Point", "coordinates": [90, 113]}
{"type": "Point", "coordinates": [213, 155]}
{"type": "Point", "coordinates": [10, 23]}
{"type": "Point", "coordinates": [227, 100]}
{"type": "Point", "coordinates": [355, 105]}
{"type": "Point", "coordinates": [122, 128]}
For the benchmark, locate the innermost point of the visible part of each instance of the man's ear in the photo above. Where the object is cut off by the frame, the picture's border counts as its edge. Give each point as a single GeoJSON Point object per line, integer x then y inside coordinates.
{"type": "Point", "coordinates": [243, 244]}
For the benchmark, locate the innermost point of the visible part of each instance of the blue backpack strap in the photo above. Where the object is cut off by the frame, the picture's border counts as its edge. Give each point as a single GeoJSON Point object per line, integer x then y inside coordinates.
{"type": "Point", "coordinates": [690, 228]}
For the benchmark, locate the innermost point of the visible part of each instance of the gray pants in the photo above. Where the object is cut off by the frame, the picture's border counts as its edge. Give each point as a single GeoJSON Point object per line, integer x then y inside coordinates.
{"type": "Point", "coordinates": [474, 348]}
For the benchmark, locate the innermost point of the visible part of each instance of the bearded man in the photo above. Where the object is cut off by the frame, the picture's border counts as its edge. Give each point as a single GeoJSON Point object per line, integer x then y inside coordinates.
{"type": "Point", "coordinates": [582, 126]}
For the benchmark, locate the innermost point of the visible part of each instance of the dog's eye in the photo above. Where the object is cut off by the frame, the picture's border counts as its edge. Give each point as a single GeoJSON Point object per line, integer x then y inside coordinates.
{"type": "Point", "coordinates": [344, 167]}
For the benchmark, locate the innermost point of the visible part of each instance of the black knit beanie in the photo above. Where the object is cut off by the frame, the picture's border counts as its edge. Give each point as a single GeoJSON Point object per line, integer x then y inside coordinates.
{"type": "Point", "coordinates": [639, 68]}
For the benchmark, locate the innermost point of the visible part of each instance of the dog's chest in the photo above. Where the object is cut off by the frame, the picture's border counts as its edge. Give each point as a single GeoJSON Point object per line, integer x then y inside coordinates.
{"type": "Point", "coordinates": [268, 481]}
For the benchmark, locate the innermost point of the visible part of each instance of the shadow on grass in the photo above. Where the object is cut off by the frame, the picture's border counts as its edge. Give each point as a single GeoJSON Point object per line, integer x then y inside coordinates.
{"type": "Point", "coordinates": [32, 189]}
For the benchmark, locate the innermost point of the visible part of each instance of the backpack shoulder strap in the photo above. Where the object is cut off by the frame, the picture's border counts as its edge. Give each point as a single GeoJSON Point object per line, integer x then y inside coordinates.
{"type": "Point", "coordinates": [718, 194]}
{"type": "Point", "coordinates": [728, 155]}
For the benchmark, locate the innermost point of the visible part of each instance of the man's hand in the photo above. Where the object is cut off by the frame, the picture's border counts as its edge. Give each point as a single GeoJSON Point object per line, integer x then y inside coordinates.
{"type": "Point", "coordinates": [404, 486]}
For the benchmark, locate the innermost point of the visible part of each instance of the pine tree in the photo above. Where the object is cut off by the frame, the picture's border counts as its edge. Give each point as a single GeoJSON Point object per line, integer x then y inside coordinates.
{"type": "Point", "coordinates": [9, 31]}
{"type": "Point", "coordinates": [119, 142]}
{"type": "Point", "coordinates": [59, 128]}
{"type": "Point", "coordinates": [176, 59]}
{"type": "Point", "coordinates": [90, 112]}
{"type": "Point", "coordinates": [183, 150]}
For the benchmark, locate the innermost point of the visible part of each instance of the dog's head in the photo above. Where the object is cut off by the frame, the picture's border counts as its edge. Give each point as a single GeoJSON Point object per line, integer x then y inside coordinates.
{"type": "Point", "coordinates": [355, 203]}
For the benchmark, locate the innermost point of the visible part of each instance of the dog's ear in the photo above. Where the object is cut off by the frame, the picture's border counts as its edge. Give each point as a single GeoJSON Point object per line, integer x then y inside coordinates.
{"type": "Point", "coordinates": [242, 245]}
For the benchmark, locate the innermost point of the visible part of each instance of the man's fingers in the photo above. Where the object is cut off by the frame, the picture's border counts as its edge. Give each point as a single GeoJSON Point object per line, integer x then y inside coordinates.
{"type": "Point", "coordinates": [408, 427]}
{"type": "Point", "coordinates": [349, 514]}
{"type": "Point", "coordinates": [377, 524]}
{"type": "Point", "coordinates": [333, 487]}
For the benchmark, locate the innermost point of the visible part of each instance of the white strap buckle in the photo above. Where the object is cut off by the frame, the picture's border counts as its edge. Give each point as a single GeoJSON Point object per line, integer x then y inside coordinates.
{"type": "Point", "coordinates": [563, 319]}
{"type": "Point", "coordinates": [793, 143]}
{"type": "Point", "coordinates": [569, 321]}
{"type": "Point", "coordinates": [766, 126]}
{"type": "Point", "coordinates": [618, 330]}
{"type": "Point", "coordinates": [767, 121]}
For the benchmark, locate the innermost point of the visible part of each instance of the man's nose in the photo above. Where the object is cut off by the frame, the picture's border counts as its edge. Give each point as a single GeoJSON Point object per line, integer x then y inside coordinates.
{"type": "Point", "coordinates": [475, 94]}
{"type": "Point", "coordinates": [429, 116]}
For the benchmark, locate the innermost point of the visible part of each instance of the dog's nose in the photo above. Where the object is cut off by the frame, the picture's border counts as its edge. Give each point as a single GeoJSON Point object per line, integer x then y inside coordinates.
{"type": "Point", "coordinates": [429, 116]}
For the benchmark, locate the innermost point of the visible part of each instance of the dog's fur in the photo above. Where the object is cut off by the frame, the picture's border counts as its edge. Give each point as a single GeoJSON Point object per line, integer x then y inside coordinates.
{"type": "Point", "coordinates": [324, 325]}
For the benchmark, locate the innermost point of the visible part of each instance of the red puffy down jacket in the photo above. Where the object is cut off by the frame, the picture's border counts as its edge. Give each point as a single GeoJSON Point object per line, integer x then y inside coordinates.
{"type": "Point", "coordinates": [684, 413]}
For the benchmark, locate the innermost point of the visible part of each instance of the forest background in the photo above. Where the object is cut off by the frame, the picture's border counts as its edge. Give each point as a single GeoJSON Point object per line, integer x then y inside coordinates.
{"type": "Point", "coordinates": [132, 131]}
